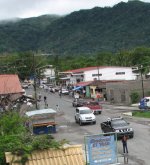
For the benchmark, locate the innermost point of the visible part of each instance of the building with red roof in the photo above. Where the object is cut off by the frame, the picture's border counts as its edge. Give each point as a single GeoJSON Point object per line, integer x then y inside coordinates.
{"type": "Point", "coordinates": [10, 84]}
{"type": "Point", "coordinates": [105, 73]}
{"type": "Point", "coordinates": [10, 90]}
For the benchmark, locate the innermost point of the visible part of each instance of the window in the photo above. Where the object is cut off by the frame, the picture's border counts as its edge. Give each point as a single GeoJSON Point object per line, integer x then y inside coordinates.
{"type": "Point", "coordinates": [120, 73]}
{"type": "Point", "coordinates": [94, 75]}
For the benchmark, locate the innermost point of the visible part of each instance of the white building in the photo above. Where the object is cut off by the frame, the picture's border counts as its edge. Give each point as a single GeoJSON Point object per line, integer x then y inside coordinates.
{"type": "Point", "coordinates": [48, 74]}
{"type": "Point", "coordinates": [98, 73]}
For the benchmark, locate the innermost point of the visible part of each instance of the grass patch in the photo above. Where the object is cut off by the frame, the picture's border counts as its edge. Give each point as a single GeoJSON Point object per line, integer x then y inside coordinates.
{"type": "Point", "coordinates": [145, 114]}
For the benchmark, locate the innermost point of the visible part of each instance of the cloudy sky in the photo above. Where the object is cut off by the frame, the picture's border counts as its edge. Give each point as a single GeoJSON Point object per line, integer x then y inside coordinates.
{"type": "Point", "coordinates": [30, 8]}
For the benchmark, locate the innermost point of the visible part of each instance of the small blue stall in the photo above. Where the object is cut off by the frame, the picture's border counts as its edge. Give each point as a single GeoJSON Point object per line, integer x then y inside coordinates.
{"type": "Point", "coordinates": [42, 121]}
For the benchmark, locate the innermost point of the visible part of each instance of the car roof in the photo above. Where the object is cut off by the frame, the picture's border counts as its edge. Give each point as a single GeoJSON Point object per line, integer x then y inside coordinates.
{"type": "Point", "coordinates": [117, 118]}
{"type": "Point", "coordinates": [83, 108]}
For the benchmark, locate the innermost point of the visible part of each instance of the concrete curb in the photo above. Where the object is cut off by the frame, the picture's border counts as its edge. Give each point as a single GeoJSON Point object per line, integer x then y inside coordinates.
{"type": "Point", "coordinates": [127, 113]}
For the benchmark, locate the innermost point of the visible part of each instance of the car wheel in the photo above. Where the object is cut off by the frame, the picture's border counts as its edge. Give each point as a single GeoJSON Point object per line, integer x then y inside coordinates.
{"type": "Point", "coordinates": [94, 122]}
{"type": "Point", "coordinates": [131, 136]}
{"type": "Point", "coordinates": [80, 122]}
{"type": "Point", "coordinates": [100, 112]}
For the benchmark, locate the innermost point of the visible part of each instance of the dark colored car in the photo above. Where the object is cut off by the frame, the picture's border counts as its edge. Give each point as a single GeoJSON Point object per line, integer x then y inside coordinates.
{"type": "Point", "coordinates": [94, 106]}
{"type": "Point", "coordinates": [119, 126]}
{"type": "Point", "coordinates": [78, 102]}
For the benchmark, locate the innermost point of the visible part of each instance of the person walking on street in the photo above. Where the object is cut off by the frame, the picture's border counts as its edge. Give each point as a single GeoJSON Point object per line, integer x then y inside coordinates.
{"type": "Point", "coordinates": [40, 96]}
{"type": "Point", "coordinates": [57, 108]}
{"type": "Point", "coordinates": [60, 93]}
{"type": "Point", "coordinates": [45, 101]}
{"type": "Point", "coordinates": [124, 143]}
{"type": "Point", "coordinates": [45, 98]}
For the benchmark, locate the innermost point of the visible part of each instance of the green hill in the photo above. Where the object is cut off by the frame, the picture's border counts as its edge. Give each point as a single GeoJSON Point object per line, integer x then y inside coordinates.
{"type": "Point", "coordinates": [124, 26]}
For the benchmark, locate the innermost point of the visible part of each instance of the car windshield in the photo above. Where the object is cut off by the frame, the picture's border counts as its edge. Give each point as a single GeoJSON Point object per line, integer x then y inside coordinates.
{"type": "Point", "coordinates": [93, 103]}
{"type": "Point", "coordinates": [118, 123]}
{"type": "Point", "coordinates": [86, 111]}
{"type": "Point", "coordinates": [81, 101]}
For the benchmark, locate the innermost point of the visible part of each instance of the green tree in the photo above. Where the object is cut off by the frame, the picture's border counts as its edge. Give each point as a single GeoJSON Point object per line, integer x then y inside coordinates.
{"type": "Point", "coordinates": [11, 130]}
{"type": "Point", "coordinates": [15, 138]}
{"type": "Point", "coordinates": [134, 97]}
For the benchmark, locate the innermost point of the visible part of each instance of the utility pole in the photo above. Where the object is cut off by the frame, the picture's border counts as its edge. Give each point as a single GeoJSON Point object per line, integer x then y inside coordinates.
{"type": "Point", "coordinates": [143, 94]}
{"type": "Point", "coordinates": [34, 75]}
{"type": "Point", "coordinates": [98, 72]}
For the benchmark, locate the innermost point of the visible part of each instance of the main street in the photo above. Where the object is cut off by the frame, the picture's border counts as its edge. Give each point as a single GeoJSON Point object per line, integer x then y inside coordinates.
{"type": "Point", "coordinates": [139, 147]}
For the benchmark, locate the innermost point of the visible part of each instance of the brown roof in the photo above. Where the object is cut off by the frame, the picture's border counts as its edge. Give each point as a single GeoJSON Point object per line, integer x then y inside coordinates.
{"type": "Point", "coordinates": [83, 83]}
{"type": "Point", "coordinates": [104, 82]}
{"type": "Point", "coordinates": [72, 155]}
{"type": "Point", "coordinates": [9, 84]}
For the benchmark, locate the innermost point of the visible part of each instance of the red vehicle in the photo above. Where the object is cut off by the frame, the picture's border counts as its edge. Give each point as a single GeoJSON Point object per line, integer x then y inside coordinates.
{"type": "Point", "coordinates": [94, 106]}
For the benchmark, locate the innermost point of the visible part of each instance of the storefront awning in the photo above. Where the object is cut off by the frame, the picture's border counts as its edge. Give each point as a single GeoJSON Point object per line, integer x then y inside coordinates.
{"type": "Point", "coordinates": [77, 88]}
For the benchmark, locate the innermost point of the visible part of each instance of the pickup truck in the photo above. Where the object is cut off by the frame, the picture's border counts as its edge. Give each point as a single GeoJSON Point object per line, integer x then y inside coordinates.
{"type": "Point", "coordinates": [119, 126]}
{"type": "Point", "coordinates": [94, 106]}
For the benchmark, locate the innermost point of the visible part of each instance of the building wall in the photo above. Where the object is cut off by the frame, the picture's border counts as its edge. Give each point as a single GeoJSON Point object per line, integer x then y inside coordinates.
{"type": "Point", "coordinates": [49, 72]}
{"type": "Point", "coordinates": [88, 94]}
{"type": "Point", "coordinates": [110, 73]}
{"type": "Point", "coordinates": [120, 92]}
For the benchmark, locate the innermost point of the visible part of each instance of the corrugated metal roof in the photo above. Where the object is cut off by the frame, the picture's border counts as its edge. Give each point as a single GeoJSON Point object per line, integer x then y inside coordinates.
{"type": "Point", "coordinates": [10, 84]}
{"type": "Point", "coordinates": [40, 112]}
{"type": "Point", "coordinates": [72, 155]}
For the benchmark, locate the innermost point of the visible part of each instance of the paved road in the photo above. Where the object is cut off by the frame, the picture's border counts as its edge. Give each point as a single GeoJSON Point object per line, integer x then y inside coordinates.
{"type": "Point", "coordinates": [139, 147]}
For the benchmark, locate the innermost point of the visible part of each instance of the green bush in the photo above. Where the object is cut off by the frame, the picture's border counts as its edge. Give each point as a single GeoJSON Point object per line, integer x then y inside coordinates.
{"type": "Point", "coordinates": [134, 97]}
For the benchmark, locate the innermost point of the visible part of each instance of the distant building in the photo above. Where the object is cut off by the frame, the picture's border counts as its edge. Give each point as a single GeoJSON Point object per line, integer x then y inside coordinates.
{"type": "Point", "coordinates": [48, 74]}
{"type": "Point", "coordinates": [120, 92]}
{"type": "Point", "coordinates": [10, 90]}
{"type": "Point", "coordinates": [10, 84]}
{"type": "Point", "coordinates": [106, 73]}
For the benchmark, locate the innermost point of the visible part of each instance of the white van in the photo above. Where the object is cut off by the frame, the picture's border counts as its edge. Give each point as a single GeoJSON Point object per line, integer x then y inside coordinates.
{"type": "Point", "coordinates": [144, 103]}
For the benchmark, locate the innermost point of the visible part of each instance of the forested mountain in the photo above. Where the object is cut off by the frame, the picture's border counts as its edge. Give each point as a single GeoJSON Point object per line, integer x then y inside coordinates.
{"type": "Point", "coordinates": [23, 34]}
{"type": "Point", "coordinates": [123, 26]}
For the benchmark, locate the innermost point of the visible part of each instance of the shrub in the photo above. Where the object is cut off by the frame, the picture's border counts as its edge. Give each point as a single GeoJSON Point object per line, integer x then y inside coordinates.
{"type": "Point", "coordinates": [134, 97]}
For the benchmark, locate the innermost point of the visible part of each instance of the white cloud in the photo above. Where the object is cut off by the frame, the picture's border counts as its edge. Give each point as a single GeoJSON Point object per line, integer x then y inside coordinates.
{"type": "Point", "coordinates": [30, 8]}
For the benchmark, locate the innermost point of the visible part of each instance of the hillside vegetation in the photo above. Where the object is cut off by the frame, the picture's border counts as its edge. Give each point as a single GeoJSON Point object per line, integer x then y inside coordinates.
{"type": "Point", "coordinates": [121, 27]}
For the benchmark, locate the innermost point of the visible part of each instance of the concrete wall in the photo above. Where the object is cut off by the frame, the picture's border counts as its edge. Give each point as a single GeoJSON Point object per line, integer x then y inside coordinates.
{"type": "Point", "coordinates": [120, 92]}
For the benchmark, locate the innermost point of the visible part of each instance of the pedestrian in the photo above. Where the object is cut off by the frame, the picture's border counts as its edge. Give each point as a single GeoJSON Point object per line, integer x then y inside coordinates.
{"type": "Point", "coordinates": [45, 98]}
{"type": "Point", "coordinates": [40, 96]}
{"type": "Point", "coordinates": [76, 95]}
{"type": "Point", "coordinates": [60, 93]}
{"type": "Point", "coordinates": [124, 143]}
{"type": "Point", "coordinates": [57, 108]}
{"type": "Point", "coordinates": [84, 93]}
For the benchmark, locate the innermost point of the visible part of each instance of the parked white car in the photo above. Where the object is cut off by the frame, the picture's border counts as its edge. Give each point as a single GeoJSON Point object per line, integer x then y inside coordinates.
{"type": "Point", "coordinates": [65, 91]}
{"type": "Point", "coordinates": [84, 115]}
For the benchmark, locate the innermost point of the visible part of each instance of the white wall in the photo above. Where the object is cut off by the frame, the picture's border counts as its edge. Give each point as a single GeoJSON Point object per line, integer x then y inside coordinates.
{"type": "Point", "coordinates": [49, 72]}
{"type": "Point", "coordinates": [110, 74]}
